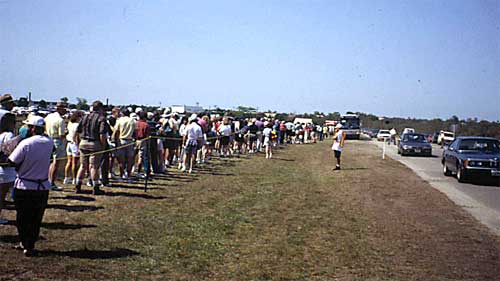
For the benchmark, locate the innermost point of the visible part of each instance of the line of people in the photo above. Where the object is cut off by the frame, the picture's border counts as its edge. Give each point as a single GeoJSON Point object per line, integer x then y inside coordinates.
{"type": "Point", "coordinates": [125, 145]}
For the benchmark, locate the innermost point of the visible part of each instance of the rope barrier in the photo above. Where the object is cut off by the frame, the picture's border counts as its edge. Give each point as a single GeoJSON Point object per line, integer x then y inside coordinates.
{"type": "Point", "coordinates": [121, 147]}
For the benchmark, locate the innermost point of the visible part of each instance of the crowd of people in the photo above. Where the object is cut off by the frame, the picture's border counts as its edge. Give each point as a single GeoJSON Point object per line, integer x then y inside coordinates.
{"type": "Point", "coordinates": [123, 144]}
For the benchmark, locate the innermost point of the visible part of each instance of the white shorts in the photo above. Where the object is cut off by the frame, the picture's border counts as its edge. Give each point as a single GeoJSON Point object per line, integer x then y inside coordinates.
{"type": "Point", "coordinates": [72, 149]}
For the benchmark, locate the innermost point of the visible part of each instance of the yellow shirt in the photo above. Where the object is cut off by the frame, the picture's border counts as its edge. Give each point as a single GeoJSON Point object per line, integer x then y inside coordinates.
{"type": "Point", "coordinates": [55, 126]}
{"type": "Point", "coordinates": [126, 126]}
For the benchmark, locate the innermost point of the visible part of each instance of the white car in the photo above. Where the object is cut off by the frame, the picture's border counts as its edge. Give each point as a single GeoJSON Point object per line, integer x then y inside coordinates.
{"type": "Point", "coordinates": [383, 135]}
{"type": "Point", "coordinates": [445, 138]}
{"type": "Point", "coordinates": [408, 131]}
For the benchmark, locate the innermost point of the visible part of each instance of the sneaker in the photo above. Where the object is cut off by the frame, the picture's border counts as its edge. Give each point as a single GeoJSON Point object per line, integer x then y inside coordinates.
{"type": "Point", "coordinates": [183, 169]}
{"type": "Point", "coordinates": [89, 183]}
{"type": "Point", "coordinates": [180, 166]}
{"type": "Point", "coordinates": [54, 187]}
{"type": "Point", "coordinates": [73, 181]}
{"type": "Point", "coordinates": [19, 247]}
{"type": "Point", "coordinates": [67, 181]}
{"type": "Point", "coordinates": [97, 191]}
{"type": "Point", "coordinates": [78, 187]}
{"type": "Point", "coordinates": [190, 171]}
{"type": "Point", "coordinates": [3, 221]}
{"type": "Point", "coordinates": [29, 253]}
{"type": "Point", "coordinates": [337, 168]}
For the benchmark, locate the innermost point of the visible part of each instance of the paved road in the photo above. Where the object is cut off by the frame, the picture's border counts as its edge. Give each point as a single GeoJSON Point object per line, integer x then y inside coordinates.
{"type": "Point", "coordinates": [482, 200]}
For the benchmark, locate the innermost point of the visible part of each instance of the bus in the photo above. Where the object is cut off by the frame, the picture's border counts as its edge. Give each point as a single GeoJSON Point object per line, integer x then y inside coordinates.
{"type": "Point", "coordinates": [351, 125]}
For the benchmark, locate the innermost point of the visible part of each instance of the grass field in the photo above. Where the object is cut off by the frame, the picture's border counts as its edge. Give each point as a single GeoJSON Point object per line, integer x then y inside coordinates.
{"type": "Point", "coordinates": [289, 218]}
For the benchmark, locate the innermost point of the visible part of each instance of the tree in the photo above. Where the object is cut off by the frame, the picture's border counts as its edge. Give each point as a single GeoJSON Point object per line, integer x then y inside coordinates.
{"type": "Point", "coordinates": [246, 109]}
{"type": "Point", "coordinates": [42, 104]}
{"type": "Point", "coordinates": [23, 102]}
{"type": "Point", "coordinates": [81, 104]}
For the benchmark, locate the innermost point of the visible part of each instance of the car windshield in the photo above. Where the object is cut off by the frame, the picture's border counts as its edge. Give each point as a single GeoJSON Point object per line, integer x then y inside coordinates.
{"type": "Point", "coordinates": [384, 132]}
{"type": "Point", "coordinates": [448, 135]}
{"type": "Point", "coordinates": [414, 138]}
{"type": "Point", "coordinates": [480, 145]}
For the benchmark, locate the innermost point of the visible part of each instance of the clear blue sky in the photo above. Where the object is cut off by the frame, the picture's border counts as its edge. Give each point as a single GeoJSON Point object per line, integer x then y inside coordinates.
{"type": "Point", "coordinates": [422, 58]}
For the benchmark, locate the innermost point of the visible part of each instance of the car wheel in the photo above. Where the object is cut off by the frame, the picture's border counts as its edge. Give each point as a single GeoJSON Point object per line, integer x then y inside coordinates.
{"type": "Point", "coordinates": [446, 171]}
{"type": "Point", "coordinates": [461, 175]}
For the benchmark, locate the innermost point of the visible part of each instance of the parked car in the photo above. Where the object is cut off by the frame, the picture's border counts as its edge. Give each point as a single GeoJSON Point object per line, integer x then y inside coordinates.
{"type": "Point", "coordinates": [383, 135]}
{"type": "Point", "coordinates": [414, 144]}
{"type": "Point", "coordinates": [472, 158]}
{"type": "Point", "coordinates": [445, 138]}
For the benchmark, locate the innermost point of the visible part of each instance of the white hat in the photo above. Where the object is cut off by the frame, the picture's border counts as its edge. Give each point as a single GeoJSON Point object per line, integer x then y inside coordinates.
{"type": "Point", "coordinates": [138, 109]}
{"type": "Point", "coordinates": [193, 117]}
{"type": "Point", "coordinates": [35, 121]}
{"type": "Point", "coordinates": [134, 116]}
{"type": "Point", "coordinates": [338, 126]}
{"type": "Point", "coordinates": [150, 115]}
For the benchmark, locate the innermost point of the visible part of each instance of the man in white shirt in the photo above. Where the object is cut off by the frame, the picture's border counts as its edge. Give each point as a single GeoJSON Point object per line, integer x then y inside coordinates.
{"type": "Point", "coordinates": [31, 188]}
{"type": "Point", "coordinates": [194, 135]}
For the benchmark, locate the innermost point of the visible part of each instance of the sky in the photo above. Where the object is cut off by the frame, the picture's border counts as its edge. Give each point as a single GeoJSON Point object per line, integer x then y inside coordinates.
{"type": "Point", "coordinates": [420, 58]}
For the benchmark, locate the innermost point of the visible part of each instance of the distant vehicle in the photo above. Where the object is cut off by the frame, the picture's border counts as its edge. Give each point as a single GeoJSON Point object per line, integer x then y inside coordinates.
{"type": "Point", "coordinates": [383, 135]}
{"type": "Point", "coordinates": [435, 137]}
{"type": "Point", "coordinates": [372, 133]}
{"type": "Point", "coordinates": [414, 144]}
{"type": "Point", "coordinates": [408, 131]}
{"type": "Point", "coordinates": [351, 125]}
{"type": "Point", "coordinates": [445, 138]}
{"type": "Point", "coordinates": [472, 158]}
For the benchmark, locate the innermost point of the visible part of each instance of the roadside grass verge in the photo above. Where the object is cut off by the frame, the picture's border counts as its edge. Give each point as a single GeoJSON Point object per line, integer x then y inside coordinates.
{"type": "Point", "coordinates": [288, 218]}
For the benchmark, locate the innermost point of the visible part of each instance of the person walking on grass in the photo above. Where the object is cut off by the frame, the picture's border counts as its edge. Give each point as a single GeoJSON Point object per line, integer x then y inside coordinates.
{"type": "Point", "coordinates": [31, 187]}
{"type": "Point", "coordinates": [194, 138]}
{"type": "Point", "coordinates": [72, 152]}
{"type": "Point", "coordinates": [267, 132]}
{"type": "Point", "coordinates": [55, 126]}
{"type": "Point", "coordinates": [92, 133]}
{"type": "Point", "coordinates": [7, 174]}
{"type": "Point", "coordinates": [338, 144]}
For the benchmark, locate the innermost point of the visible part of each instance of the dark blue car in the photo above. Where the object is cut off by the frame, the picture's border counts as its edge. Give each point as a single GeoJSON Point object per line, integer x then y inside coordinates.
{"type": "Point", "coordinates": [414, 144]}
{"type": "Point", "coordinates": [472, 158]}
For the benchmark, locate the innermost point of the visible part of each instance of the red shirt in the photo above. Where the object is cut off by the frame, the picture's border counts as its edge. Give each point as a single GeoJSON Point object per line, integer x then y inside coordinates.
{"type": "Point", "coordinates": [142, 129]}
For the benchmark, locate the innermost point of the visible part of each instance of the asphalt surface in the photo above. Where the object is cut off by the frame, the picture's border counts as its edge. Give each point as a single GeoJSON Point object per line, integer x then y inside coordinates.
{"type": "Point", "coordinates": [481, 199]}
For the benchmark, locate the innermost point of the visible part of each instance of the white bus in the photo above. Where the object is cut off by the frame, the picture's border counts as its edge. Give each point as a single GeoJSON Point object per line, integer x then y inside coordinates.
{"type": "Point", "coordinates": [351, 125]}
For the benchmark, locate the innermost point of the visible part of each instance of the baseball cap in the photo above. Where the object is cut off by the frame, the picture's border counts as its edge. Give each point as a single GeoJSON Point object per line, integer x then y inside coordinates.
{"type": "Point", "coordinates": [35, 121]}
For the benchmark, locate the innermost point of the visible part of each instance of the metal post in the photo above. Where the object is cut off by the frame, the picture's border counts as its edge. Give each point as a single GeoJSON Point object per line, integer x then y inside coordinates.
{"type": "Point", "coordinates": [383, 149]}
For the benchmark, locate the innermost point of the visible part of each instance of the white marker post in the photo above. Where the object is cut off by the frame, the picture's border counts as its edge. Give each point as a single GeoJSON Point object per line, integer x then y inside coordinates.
{"type": "Point", "coordinates": [383, 148]}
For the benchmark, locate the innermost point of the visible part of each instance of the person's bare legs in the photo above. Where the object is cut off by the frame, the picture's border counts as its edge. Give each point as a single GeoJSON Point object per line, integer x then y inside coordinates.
{"type": "Point", "coordinates": [4, 189]}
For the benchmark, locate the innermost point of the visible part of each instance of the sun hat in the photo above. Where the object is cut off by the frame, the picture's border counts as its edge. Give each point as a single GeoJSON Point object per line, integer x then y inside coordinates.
{"type": "Point", "coordinates": [6, 98]}
{"type": "Point", "coordinates": [35, 121]}
{"type": "Point", "coordinates": [61, 104]}
{"type": "Point", "coordinates": [193, 117]}
{"type": "Point", "coordinates": [338, 126]}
